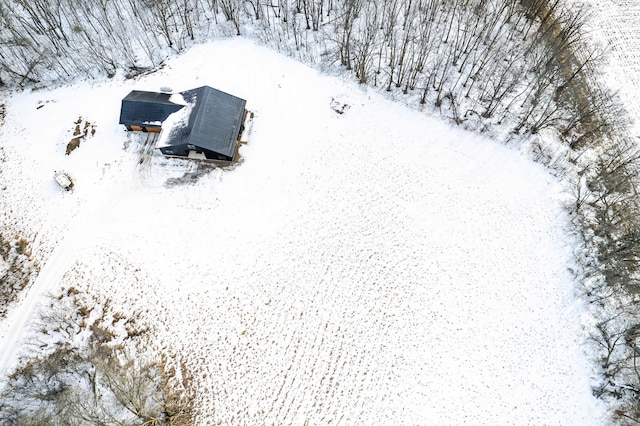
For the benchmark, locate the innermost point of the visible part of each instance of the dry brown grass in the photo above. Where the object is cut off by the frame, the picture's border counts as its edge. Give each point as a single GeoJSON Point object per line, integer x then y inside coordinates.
{"type": "Point", "coordinates": [15, 254]}
{"type": "Point", "coordinates": [83, 130]}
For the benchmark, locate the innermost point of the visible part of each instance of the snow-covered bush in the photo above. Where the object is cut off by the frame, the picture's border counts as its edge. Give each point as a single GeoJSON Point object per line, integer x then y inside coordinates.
{"type": "Point", "coordinates": [90, 365]}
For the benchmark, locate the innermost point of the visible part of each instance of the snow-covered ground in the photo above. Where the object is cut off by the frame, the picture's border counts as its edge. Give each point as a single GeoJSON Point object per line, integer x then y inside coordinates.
{"type": "Point", "coordinates": [616, 25]}
{"type": "Point", "coordinates": [371, 267]}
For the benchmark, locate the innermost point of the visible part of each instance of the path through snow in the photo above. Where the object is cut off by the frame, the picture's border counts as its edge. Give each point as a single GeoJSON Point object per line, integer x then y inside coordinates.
{"type": "Point", "coordinates": [84, 233]}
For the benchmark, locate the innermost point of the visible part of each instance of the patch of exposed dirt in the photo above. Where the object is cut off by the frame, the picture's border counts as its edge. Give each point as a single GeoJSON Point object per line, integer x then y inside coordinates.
{"type": "Point", "coordinates": [83, 130]}
{"type": "Point", "coordinates": [41, 104]}
{"type": "Point", "coordinates": [190, 178]}
{"type": "Point", "coordinates": [3, 113]}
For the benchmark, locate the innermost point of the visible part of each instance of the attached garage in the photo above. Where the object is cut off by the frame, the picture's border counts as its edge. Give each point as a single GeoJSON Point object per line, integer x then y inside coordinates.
{"type": "Point", "coordinates": [146, 111]}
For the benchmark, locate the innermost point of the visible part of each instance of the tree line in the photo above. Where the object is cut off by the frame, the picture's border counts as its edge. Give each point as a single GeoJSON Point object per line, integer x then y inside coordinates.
{"type": "Point", "coordinates": [481, 63]}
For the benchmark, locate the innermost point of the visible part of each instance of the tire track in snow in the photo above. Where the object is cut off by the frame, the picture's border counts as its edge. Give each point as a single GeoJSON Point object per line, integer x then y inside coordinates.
{"type": "Point", "coordinates": [322, 336]}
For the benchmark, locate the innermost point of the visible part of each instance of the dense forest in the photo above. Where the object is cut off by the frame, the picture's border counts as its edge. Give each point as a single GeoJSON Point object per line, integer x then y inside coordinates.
{"type": "Point", "coordinates": [510, 68]}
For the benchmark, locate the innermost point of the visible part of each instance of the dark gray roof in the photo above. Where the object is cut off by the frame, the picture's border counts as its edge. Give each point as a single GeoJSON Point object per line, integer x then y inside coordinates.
{"type": "Point", "coordinates": [214, 122]}
{"type": "Point", "coordinates": [141, 108]}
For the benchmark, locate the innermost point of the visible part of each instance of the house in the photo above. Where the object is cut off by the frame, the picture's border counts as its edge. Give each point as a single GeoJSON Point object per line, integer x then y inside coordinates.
{"type": "Point", "coordinates": [199, 123]}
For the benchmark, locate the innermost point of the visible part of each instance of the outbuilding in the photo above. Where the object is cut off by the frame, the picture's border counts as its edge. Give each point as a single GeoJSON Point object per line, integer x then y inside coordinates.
{"type": "Point", "coordinates": [145, 111]}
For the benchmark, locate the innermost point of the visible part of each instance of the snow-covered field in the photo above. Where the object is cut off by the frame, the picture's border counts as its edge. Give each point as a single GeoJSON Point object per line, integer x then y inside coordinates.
{"type": "Point", "coordinates": [371, 267]}
{"type": "Point", "coordinates": [616, 24]}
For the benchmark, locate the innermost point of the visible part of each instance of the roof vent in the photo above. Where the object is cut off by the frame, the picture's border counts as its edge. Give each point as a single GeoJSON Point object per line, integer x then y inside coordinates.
{"type": "Point", "coordinates": [166, 89]}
